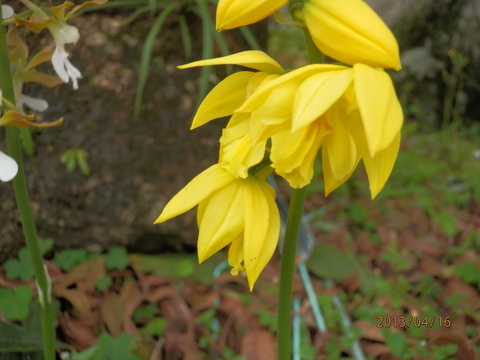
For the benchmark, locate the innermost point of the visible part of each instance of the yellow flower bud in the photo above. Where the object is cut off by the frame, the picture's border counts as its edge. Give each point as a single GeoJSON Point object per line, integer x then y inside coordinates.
{"type": "Point", "coordinates": [351, 32]}
{"type": "Point", "coordinates": [235, 13]}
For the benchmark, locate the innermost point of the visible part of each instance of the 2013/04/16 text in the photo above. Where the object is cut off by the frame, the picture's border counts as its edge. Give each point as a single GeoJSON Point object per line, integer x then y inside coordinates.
{"type": "Point", "coordinates": [411, 320]}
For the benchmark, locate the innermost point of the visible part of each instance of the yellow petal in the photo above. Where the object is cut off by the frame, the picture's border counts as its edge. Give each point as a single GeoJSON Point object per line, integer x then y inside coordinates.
{"type": "Point", "coordinates": [351, 32]}
{"type": "Point", "coordinates": [84, 5]}
{"type": "Point", "coordinates": [17, 49]}
{"type": "Point", "coordinates": [59, 11]}
{"type": "Point", "coordinates": [201, 187]}
{"type": "Point", "coordinates": [235, 13]}
{"type": "Point", "coordinates": [235, 255]}
{"type": "Point", "coordinates": [379, 107]}
{"type": "Point", "coordinates": [284, 86]}
{"type": "Point", "coordinates": [262, 227]}
{"type": "Point", "coordinates": [340, 150]}
{"type": "Point", "coordinates": [224, 98]}
{"type": "Point", "coordinates": [340, 155]}
{"type": "Point", "coordinates": [41, 78]}
{"type": "Point", "coordinates": [381, 165]}
{"type": "Point", "coordinates": [316, 94]}
{"type": "Point", "coordinates": [35, 23]}
{"type": "Point", "coordinates": [237, 153]}
{"type": "Point", "coordinates": [257, 80]}
{"type": "Point", "coordinates": [39, 58]}
{"type": "Point", "coordinates": [293, 154]}
{"type": "Point", "coordinates": [220, 219]}
{"type": "Point", "coordinates": [18, 120]}
{"type": "Point", "coordinates": [252, 59]}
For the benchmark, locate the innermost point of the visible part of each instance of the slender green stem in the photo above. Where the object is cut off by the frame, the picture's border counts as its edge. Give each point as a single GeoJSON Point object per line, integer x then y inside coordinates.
{"type": "Point", "coordinates": [35, 9]}
{"type": "Point", "coordinates": [23, 204]}
{"type": "Point", "coordinates": [314, 55]}
{"type": "Point", "coordinates": [294, 222]}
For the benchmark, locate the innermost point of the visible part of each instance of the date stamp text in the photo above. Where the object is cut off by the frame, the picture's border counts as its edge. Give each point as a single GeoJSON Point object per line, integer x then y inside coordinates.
{"type": "Point", "coordinates": [413, 321]}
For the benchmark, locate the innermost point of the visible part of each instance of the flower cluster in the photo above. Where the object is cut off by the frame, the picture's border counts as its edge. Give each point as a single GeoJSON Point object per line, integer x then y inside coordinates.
{"type": "Point", "coordinates": [23, 65]}
{"type": "Point", "coordinates": [280, 121]}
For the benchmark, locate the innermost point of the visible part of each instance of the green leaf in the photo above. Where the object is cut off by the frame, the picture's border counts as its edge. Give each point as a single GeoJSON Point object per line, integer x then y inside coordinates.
{"type": "Point", "coordinates": [186, 38]}
{"type": "Point", "coordinates": [117, 258]}
{"type": "Point", "coordinates": [145, 312]}
{"type": "Point", "coordinates": [446, 221]}
{"type": "Point", "coordinates": [14, 338]}
{"type": "Point", "coordinates": [156, 327]}
{"type": "Point", "coordinates": [330, 263]}
{"type": "Point", "coordinates": [94, 352]}
{"type": "Point", "coordinates": [45, 245]}
{"type": "Point", "coordinates": [177, 266]}
{"type": "Point", "coordinates": [14, 303]}
{"type": "Point", "coordinates": [68, 259]}
{"type": "Point", "coordinates": [468, 272]}
{"type": "Point", "coordinates": [397, 342]}
{"type": "Point", "coordinates": [81, 157]}
{"type": "Point", "coordinates": [147, 54]}
{"type": "Point", "coordinates": [108, 348]}
{"type": "Point", "coordinates": [121, 348]}
{"type": "Point", "coordinates": [21, 268]}
{"type": "Point", "coordinates": [103, 283]}
{"type": "Point", "coordinates": [69, 159]}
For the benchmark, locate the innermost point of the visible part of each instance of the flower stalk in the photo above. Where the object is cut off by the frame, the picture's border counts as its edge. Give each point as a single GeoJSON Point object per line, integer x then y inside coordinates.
{"type": "Point", "coordinates": [287, 269]}
{"type": "Point", "coordinates": [23, 204]}
{"type": "Point", "coordinates": [289, 252]}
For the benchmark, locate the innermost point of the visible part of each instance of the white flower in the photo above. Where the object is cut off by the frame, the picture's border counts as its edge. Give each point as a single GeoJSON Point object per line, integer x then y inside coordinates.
{"type": "Point", "coordinates": [64, 68]}
{"type": "Point", "coordinates": [33, 103]}
{"type": "Point", "coordinates": [8, 167]}
{"type": "Point", "coordinates": [7, 11]}
{"type": "Point", "coordinates": [65, 34]}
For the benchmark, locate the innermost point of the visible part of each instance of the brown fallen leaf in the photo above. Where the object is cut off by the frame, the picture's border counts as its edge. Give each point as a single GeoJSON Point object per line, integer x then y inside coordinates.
{"type": "Point", "coordinates": [76, 333]}
{"type": "Point", "coordinates": [466, 349]}
{"type": "Point", "coordinates": [110, 311]}
{"type": "Point", "coordinates": [374, 350]}
{"type": "Point", "coordinates": [258, 345]}
{"type": "Point", "coordinates": [132, 297]}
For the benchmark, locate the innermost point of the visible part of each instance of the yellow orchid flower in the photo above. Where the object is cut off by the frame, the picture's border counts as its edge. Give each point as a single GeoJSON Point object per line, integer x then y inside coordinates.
{"type": "Point", "coordinates": [235, 13]}
{"type": "Point", "coordinates": [351, 32]}
{"type": "Point", "coordinates": [240, 212]}
{"type": "Point", "coordinates": [310, 108]}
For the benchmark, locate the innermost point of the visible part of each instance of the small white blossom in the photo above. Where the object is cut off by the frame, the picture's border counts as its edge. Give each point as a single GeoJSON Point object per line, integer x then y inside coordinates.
{"type": "Point", "coordinates": [7, 11]}
{"type": "Point", "coordinates": [65, 34]}
{"type": "Point", "coordinates": [33, 103]}
{"type": "Point", "coordinates": [64, 68]}
{"type": "Point", "coordinates": [8, 167]}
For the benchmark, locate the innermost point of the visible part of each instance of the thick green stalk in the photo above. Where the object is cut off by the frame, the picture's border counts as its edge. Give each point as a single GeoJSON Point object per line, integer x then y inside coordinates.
{"type": "Point", "coordinates": [289, 252]}
{"type": "Point", "coordinates": [292, 231]}
{"type": "Point", "coordinates": [23, 204]}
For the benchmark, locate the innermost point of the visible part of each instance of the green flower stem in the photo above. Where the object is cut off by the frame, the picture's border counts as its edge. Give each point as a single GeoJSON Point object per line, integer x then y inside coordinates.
{"type": "Point", "coordinates": [294, 222]}
{"type": "Point", "coordinates": [23, 204]}
{"type": "Point", "coordinates": [314, 55]}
